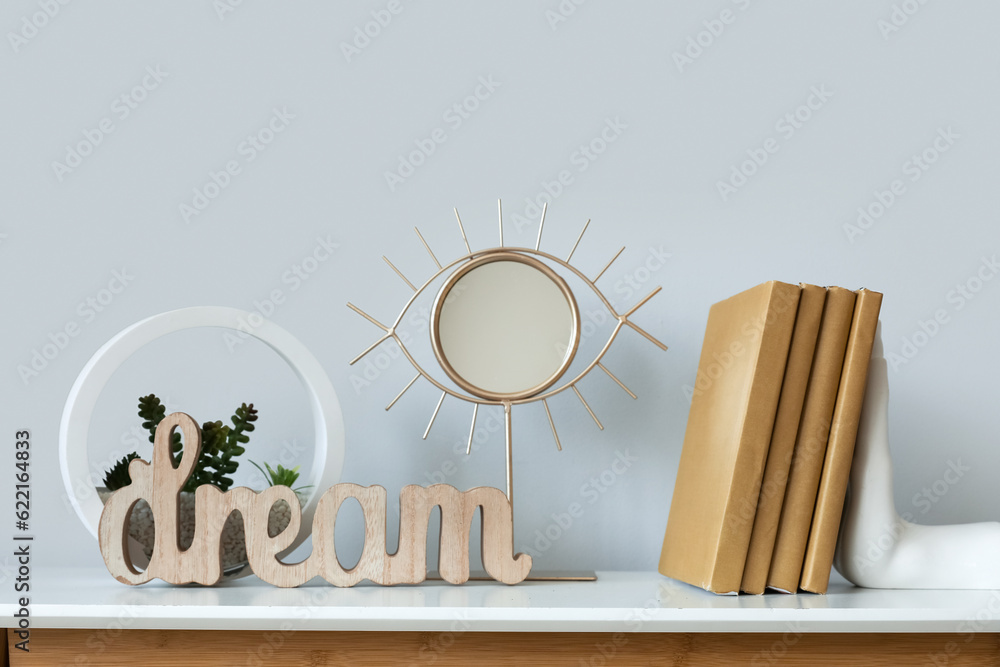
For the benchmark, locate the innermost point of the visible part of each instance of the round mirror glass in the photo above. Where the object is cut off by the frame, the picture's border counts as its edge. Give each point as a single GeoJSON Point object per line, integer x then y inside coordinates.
{"type": "Point", "coordinates": [505, 326]}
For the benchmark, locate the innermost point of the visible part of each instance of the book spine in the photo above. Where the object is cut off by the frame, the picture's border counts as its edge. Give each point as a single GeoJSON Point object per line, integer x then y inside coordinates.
{"type": "Point", "coordinates": [810, 443]}
{"type": "Point", "coordinates": [758, 425]}
{"type": "Point", "coordinates": [840, 449]}
{"type": "Point", "coordinates": [786, 426]}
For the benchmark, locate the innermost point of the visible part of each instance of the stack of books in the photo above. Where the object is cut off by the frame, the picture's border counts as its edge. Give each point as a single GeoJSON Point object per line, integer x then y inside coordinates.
{"type": "Point", "coordinates": [770, 439]}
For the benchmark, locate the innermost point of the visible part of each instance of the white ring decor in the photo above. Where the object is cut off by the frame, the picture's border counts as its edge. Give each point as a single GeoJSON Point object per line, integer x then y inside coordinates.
{"type": "Point", "coordinates": [328, 459]}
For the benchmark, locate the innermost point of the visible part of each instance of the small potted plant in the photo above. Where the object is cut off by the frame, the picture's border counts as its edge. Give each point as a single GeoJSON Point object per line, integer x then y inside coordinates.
{"type": "Point", "coordinates": [281, 512]}
{"type": "Point", "coordinates": [222, 445]}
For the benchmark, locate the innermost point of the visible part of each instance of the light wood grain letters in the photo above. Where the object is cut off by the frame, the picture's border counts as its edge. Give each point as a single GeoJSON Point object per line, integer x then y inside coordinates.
{"type": "Point", "coordinates": [160, 482]}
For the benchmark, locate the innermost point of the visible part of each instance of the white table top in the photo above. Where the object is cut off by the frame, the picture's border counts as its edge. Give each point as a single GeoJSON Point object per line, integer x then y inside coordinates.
{"type": "Point", "coordinates": [617, 602]}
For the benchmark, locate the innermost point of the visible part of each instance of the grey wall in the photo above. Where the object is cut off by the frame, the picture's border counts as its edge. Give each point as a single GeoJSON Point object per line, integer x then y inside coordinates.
{"type": "Point", "coordinates": [885, 81]}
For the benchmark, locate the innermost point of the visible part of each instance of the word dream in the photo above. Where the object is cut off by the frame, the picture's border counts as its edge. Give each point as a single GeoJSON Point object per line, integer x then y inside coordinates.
{"type": "Point", "coordinates": [160, 481]}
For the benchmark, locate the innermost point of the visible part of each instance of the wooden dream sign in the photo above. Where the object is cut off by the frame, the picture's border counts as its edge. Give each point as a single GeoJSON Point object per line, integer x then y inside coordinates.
{"type": "Point", "coordinates": [159, 483]}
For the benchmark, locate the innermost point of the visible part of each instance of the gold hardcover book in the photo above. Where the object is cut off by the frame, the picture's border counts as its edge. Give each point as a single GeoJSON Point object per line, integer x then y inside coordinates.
{"type": "Point", "coordinates": [786, 428]}
{"type": "Point", "coordinates": [810, 444]}
{"type": "Point", "coordinates": [840, 449]}
{"type": "Point", "coordinates": [733, 406]}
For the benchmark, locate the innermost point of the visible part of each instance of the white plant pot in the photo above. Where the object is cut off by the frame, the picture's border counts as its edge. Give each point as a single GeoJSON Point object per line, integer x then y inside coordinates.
{"type": "Point", "coordinates": [234, 550]}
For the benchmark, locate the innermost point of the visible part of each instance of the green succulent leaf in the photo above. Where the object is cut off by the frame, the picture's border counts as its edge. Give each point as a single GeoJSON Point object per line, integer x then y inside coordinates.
{"type": "Point", "coordinates": [280, 477]}
{"type": "Point", "coordinates": [152, 411]}
{"type": "Point", "coordinates": [118, 477]}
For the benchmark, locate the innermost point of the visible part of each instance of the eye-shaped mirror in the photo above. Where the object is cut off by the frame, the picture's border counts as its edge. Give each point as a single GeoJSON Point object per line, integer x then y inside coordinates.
{"type": "Point", "coordinates": [505, 326]}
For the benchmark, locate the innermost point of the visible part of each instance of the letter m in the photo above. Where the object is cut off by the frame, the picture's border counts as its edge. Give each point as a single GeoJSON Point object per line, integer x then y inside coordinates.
{"type": "Point", "coordinates": [457, 511]}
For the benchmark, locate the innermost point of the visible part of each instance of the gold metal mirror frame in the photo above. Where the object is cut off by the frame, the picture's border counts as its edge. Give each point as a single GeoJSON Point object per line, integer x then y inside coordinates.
{"type": "Point", "coordinates": [445, 291]}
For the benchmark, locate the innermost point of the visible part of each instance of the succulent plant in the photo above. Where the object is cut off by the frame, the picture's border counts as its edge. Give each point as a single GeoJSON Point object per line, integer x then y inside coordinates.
{"type": "Point", "coordinates": [117, 476]}
{"type": "Point", "coordinates": [282, 476]}
{"type": "Point", "coordinates": [220, 446]}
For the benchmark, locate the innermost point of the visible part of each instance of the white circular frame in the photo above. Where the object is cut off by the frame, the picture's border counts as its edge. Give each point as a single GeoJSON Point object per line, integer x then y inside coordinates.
{"type": "Point", "coordinates": [328, 423]}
